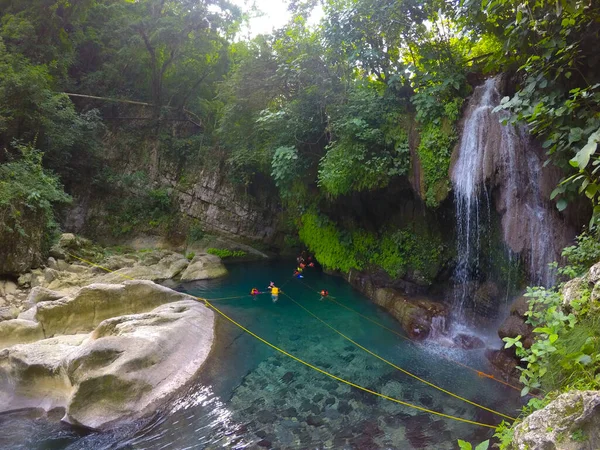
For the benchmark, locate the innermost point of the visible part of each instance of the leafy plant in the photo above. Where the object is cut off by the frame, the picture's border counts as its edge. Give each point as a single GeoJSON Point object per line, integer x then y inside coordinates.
{"type": "Point", "coordinates": [28, 192]}
{"type": "Point", "coordinates": [468, 446]}
{"type": "Point", "coordinates": [226, 253]}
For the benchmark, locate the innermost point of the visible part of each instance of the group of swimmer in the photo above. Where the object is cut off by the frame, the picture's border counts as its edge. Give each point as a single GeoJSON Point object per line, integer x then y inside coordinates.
{"type": "Point", "coordinates": [272, 288]}
{"type": "Point", "coordinates": [303, 262]}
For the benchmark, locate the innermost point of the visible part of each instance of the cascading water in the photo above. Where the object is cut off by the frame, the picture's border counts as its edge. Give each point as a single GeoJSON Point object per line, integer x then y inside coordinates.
{"type": "Point", "coordinates": [500, 158]}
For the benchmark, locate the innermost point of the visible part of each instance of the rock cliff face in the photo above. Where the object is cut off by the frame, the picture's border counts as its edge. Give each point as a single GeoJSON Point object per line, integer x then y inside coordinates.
{"type": "Point", "coordinates": [223, 208]}
{"type": "Point", "coordinates": [105, 354]}
{"type": "Point", "coordinates": [207, 196]}
{"type": "Point", "coordinates": [20, 252]}
{"type": "Point", "coordinates": [415, 313]}
{"type": "Point", "coordinates": [504, 161]}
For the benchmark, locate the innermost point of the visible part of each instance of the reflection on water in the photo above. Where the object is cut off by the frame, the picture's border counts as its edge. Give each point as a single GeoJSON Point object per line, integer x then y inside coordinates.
{"type": "Point", "coordinates": [249, 396]}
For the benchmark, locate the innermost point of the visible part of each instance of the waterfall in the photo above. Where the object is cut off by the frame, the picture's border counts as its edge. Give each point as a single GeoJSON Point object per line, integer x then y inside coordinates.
{"type": "Point", "coordinates": [500, 159]}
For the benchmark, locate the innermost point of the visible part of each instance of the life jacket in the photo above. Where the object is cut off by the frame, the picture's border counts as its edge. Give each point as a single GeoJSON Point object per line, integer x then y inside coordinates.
{"type": "Point", "coordinates": [324, 293]}
{"type": "Point", "coordinates": [275, 290]}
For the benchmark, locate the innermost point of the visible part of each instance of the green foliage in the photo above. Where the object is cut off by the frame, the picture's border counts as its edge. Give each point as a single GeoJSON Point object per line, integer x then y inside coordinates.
{"type": "Point", "coordinates": [28, 192]}
{"type": "Point", "coordinates": [581, 256]}
{"type": "Point", "coordinates": [396, 252]}
{"type": "Point", "coordinates": [566, 351]}
{"type": "Point", "coordinates": [195, 232]}
{"type": "Point", "coordinates": [329, 245]}
{"type": "Point", "coordinates": [463, 445]}
{"type": "Point", "coordinates": [504, 433]}
{"type": "Point", "coordinates": [369, 145]}
{"type": "Point", "coordinates": [135, 206]}
{"type": "Point", "coordinates": [435, 151]}
{"type": "Point", "coordinates": [286, 166]}
{"type": "Point", "coordinates": [226, 253]}
{"type": "Point", "coordinates": [190, 255]}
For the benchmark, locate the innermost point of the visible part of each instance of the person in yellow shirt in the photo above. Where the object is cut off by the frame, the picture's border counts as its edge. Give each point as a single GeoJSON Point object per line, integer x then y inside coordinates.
{"type": "Point", "coordinates": [274, 293]}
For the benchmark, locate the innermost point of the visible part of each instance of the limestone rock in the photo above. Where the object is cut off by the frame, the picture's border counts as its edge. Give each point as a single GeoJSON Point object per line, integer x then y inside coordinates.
{"type": "Point", "coordinates": [33, 375]}
{"type": "Point", "coordinates": [52, 264]}
{"type": "Point", "coordinates": [7, 287]}
{"type": "Point", "coordinates": [41, 294]}
{"type": "Point", "coordinates": [25, 279]}
{"type": "Point", "coordinates": [122, 371]}
{"type": "Point", "coordinates": [156, 266]}
{"type": "Point", "coordinates": [92, 304]}
{"type": "Point", "coordinates": [571, 422]}
{"type": "Point", "coordinates": [204, 267]}
{"type": "Point", "coordinates": [594, 273]}
{"type": "Point", "coordinates": [17, 331]}
{"type": "Point", "coordinates": [8, 313]}
{"type": "Point", "coordinates": [133, 362]}
{"type": "Point", "coordinates": [414, 314]}
{"type": "Point", "coordinates": [574, 289]}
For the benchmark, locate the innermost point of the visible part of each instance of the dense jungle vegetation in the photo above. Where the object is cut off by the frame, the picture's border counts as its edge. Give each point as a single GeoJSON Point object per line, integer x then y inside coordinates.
{"type": "Point", "coordinates": [366, 99]}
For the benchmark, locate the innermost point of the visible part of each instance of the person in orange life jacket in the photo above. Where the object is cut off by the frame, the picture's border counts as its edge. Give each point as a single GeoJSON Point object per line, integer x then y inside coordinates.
{"type": "Point", "coordinates": [324, 294]}
{"type": "Point", "coordinates": [254, 292]}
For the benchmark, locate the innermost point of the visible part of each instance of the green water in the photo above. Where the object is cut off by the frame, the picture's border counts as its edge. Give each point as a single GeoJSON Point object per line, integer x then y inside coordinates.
{"type": "Point", "coordinates": [250, 396]}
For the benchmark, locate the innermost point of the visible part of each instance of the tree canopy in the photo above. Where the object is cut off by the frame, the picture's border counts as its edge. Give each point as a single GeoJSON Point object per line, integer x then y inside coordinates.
{"type": "Point", "coordinates": [348, 106]}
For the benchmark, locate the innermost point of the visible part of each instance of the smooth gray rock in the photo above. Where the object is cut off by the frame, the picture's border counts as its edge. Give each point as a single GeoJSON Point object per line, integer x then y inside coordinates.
{"type": "Point", "coordinates": [41, 294]}
{"type": "Point", "coordinates": [92, 304]}
{"type": "Point", "coordinates": [125, 369]}
{"type": "Point", "coordinates": [17, 331]}
{"type": "Point", "coordinates": [203, 267]}
{"type": "Point", "coordinates": [571, 422]}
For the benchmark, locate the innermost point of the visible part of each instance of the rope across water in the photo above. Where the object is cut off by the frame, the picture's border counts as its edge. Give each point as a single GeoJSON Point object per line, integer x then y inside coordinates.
{"type": "Point", "coordinates": [208, 303]}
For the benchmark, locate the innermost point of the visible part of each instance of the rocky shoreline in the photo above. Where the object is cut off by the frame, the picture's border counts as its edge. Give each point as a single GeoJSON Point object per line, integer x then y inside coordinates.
{"type": "Point", "coordinates": [96, 348]}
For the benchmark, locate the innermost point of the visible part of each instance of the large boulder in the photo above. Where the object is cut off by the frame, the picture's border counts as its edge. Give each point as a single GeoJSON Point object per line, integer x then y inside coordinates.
{"type": "Point", "coordinates": [514, 326]}
{"type": "Point", "coordinates": [203, 267]}
{"type": "Point", "coordinates": [69, 244]}
{"type": "Point", "coordinates": [92, 304]}
{"type": "Point", "coordinates": [571, 422]}
{"type": "Point", "coordinates": [155, 266]}
{"type": "Point", "coordinates": [415, 314]}
{"type": "Point", "coordinates": [121, 371]}
{"type": "Point", "coordinates": [17, 331]}
{"type": "Point", "coordinates": [516, 323]}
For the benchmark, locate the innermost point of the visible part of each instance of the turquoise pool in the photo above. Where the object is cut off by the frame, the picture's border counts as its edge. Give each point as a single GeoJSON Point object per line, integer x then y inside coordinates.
{"type": "Point", "coordinates": [250, 396]}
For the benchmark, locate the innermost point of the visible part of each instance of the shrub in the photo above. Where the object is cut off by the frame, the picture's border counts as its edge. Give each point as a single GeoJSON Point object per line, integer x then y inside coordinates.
{"type": "Point", "coordinates": [393, 251]}
{"type": "Point", "coordinates": [226, 253]}
{"type": "Point", "coordinates": [435, 151]}
{"type": "Point", "coordinates": [195, 232]}
{"type": "Point", "coordinates": [27, 190]}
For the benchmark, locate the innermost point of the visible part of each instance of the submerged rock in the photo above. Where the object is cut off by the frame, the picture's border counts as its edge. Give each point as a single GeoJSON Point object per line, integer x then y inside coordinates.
{"type": "Point", "coordinates": [139, 352]}
{"type": "Point", "coordinates": [571, 422]}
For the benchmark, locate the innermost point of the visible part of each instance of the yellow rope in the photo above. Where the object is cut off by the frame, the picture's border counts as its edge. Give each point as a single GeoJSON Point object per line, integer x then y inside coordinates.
{"type": "Point", "coordinates": [410, 374]}
{"type": "Point", "coordinates": [307, 364]}
{"type": "Point", "coordinates": [478, 372]}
